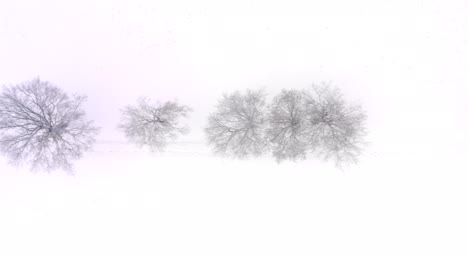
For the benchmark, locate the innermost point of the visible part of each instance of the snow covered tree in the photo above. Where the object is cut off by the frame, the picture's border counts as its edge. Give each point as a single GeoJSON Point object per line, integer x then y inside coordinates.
{"type": "Point", "coordinates": [316, 121]}
{"type": "Point", "coordinates": [287, 125]}
{"type": "Point", "coordinates": [42, 126]}
{"type": "Point", "coordinates": [335, 129]}
{"type": "Point", "coordinates": [153, 124]}
{"type": "Point", "coordinates": [237, 126]}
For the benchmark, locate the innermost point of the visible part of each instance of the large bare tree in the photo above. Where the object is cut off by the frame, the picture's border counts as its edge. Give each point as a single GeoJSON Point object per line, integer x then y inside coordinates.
{"type": "Point", "coordinates": [287, 126]}
{"type": "Point", "coordinates": [153, 124]}
{"type": "Point", "coordinates": [42, 126]}
{"type": "Point", "coordinates": [237, 126]}
{"type": "Point", "coordinates": [317, 121]}
{"type": "Point", "coordinates": [335, 128]}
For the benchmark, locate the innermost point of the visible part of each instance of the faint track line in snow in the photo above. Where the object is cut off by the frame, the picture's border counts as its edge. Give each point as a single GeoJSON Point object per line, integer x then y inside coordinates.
{"type": "Point", "coordinates": [186, 148]}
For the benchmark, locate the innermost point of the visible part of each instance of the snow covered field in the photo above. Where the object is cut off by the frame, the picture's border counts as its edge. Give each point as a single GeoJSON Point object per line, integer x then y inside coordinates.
{"type": "Point", "coordinates": [124, 205]}
{"type": "Point", "coordinates": [406, 201]}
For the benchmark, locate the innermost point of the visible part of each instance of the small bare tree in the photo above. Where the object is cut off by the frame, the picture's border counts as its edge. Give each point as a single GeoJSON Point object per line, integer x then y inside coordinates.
{"type": "Point", "coordinates": [287, 126]}
{"type": "Point", "coordinates": [335, 128]}
{"type": "Point", "coordinates": [153, 124]}
{"type": "Point", "coordinates": [42, 126]}
{"type": "Point", "coordinates": [237, 126]}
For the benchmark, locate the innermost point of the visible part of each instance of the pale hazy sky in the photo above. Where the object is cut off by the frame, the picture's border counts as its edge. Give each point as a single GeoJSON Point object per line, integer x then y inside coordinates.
{"type": "Point", "coordinates": [406, 61]}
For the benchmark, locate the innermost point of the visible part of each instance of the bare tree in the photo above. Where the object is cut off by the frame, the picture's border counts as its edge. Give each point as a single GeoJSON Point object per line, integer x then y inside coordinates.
{"type": "Point", "coordinates": [287, 126]}
{"type": "Point", "coordinates": [237, 126]}
{"type": "Point", "coordinates": [153, 124]}
{"type": "Point", "coordinates": [335, 129]}
{"type": "Point", "coordinates": [42, 126]}
{"type": "Point", "coordinates": [317, 121]}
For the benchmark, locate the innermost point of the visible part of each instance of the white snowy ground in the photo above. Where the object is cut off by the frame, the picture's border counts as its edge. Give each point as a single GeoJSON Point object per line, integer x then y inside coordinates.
{"type": "Point", "coordinates": [124, 205]}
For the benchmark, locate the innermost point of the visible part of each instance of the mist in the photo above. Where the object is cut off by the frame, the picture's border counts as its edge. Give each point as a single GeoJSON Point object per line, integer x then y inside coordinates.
{"type": "Point", "coordinates": [404, 61]}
